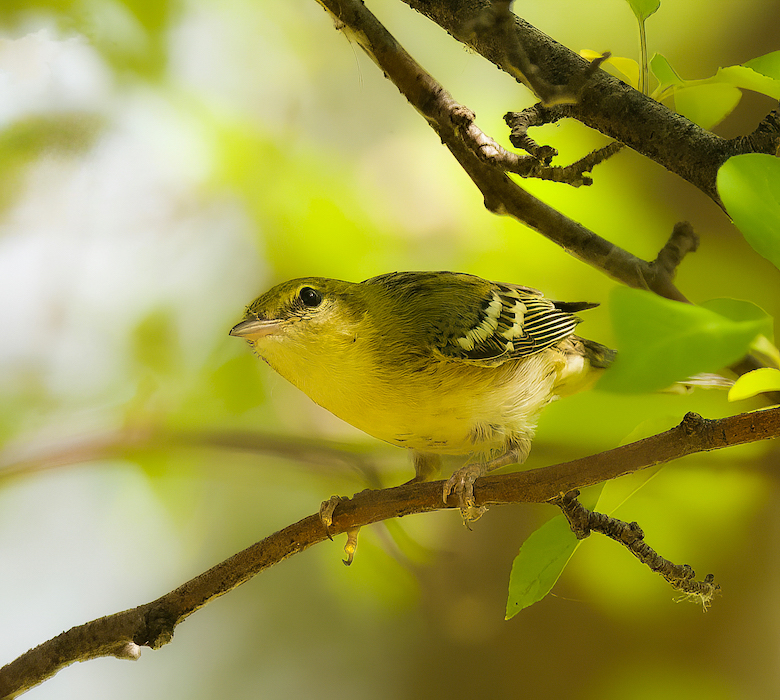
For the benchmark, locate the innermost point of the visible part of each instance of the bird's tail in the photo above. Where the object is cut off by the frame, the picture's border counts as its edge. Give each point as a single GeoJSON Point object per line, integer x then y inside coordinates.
{"type": "Point", "coordinates": [599, 356]}
{"type": "Point", "coordinates": [584, 361]}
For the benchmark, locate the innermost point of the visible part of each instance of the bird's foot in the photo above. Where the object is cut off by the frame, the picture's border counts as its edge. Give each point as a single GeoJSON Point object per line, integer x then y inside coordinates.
{"type": "Point", "coordinates": [351, 546]}
{"type": "Point", "coordinates": [326, 513]}
{"type": "Point", "coordinates": [461, 485]}
{"type": "Point", "coordinates": [326, 517]}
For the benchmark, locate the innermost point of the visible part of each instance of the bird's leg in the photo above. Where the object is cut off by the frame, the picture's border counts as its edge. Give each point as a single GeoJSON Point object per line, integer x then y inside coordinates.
{"type": "Point", "coordinates": [461, 483]}
{"type": "Point", "coordinates": [426, 466]}
{"type": "Point", "coordinates": [326, 517]}
{"type": "Point", "coordinates": [326, 513]}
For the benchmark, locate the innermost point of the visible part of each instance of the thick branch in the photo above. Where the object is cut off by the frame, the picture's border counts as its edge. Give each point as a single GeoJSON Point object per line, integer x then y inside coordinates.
{"type": "Point", "coordinates": [605, 103]}
{"type": "Point", "coordinates": [477, 154]}
{"type": "Point", "coordinates": [153, 624]}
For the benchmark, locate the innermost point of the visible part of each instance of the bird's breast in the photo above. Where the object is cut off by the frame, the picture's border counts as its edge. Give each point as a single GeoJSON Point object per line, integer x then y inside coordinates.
{"type": "Point", "coordinates": [437, 405]}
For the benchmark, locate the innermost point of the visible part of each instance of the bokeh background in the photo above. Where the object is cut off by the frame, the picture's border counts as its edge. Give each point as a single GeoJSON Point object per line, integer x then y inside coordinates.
{"type": "Point", "coordinates": [161, 164]}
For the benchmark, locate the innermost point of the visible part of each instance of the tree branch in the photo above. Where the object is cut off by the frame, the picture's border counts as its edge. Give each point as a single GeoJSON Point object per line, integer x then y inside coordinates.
{"type": "Point", "coordinates": [679, 576]}
{"type": "Point", "coordinates": [328, 456]}
{"type": "Point", "coordinates": [605, 103]}
{"type": "Point", "coordinates": [478, 154]}
{"type": "Point", "coordinates": [152, 624]}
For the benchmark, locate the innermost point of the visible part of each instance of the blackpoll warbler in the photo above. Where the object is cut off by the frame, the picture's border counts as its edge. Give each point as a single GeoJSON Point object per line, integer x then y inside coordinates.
{"type": "Point", "coordinates": [438, 362]}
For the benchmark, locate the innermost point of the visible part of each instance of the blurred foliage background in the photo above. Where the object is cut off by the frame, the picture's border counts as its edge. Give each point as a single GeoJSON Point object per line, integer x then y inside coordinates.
{"type": "Point", "coordinates": [162, 163]}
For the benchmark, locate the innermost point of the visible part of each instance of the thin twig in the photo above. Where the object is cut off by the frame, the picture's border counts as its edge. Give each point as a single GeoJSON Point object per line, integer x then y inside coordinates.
{"type": "Point", "coordinates": [682, 241]}
{"type": "Point", "coordinates": [680, 576]}
{"type": "Point", "coordinates": [520, 122]}
{"type": "Point", "coordinates": [535, 166]}
{"type": "Point", "coordinates": [764, 139]}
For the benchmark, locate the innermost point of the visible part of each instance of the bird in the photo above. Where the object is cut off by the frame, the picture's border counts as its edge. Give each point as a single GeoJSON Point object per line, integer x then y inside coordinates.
{"type": "Point", "coordinates": [437, 362]}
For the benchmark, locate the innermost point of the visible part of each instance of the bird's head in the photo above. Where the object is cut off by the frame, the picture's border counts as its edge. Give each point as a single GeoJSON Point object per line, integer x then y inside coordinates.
{"type": "Point", "coordinates": [301, 311]}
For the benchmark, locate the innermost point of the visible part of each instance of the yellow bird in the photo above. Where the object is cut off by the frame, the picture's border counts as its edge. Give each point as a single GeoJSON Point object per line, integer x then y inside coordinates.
{"type": "Point", "coordinates": [437, 362]}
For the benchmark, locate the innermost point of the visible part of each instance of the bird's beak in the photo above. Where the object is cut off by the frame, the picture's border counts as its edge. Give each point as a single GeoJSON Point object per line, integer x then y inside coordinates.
{"type": "Point", "coordinates": [255, 328]}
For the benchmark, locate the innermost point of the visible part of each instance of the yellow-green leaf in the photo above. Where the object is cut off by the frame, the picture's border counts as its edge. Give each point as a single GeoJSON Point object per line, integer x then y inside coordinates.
{"type": "Point", "coordinates": [539, 564]}
{"type": "Point", "coordinates": [756, 382]}
{"type": "Point", "coordinates": [627, 67]}
{"type": "Point", "coordinates": [644, 8]}
{"type": "Point", "coordinates": [769, 64]}
{"type": "Point", "coordinates": [749, 186]}
{"type": "Point", "coordinates": [707, 104]}
{"type": "Point", "coordinates": [749, 79]}
{"type": "Point", "coordinates": [663, 71]}
{"type": "Point", "coordinates": [660, 342]}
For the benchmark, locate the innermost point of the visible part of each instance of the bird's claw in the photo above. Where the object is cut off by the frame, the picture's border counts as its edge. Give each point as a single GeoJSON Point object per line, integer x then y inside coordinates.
{"type": "Point", "coordinates": [461, 485]}
{"type": "Point", "coordinates": [351, 546]}
{"type": "Point", "coordinates": [326, 513]}
{"type": "Point", "coordinates": [326, 518]}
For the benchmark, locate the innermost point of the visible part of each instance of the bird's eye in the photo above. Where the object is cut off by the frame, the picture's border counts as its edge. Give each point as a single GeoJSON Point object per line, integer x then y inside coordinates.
{"type": "Point", "coordinates": [310, 297]}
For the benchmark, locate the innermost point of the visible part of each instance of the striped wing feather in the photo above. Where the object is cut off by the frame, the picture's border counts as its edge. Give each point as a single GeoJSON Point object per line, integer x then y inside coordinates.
{"type": "Point", "coordinates": [513, 322]}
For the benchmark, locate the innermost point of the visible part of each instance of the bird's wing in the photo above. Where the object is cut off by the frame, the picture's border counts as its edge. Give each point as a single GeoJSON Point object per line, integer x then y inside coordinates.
{"type": "Point", "coordinates": [512, 322]}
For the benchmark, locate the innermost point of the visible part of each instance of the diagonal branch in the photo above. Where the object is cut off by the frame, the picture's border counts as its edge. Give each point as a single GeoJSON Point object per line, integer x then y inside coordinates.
{"type": "Point", "coordinates": [680, 576]}
{"type": "Point", "coordinates": [477, 154]}
{"type": "Point", "coordinates": [326, 456]}
{"type": "Point", "coordinates": [486, 163]}
{"type": "Point", "coordinates": [153, 624]}
{"type": "Point", "coordinates": [605, 104]}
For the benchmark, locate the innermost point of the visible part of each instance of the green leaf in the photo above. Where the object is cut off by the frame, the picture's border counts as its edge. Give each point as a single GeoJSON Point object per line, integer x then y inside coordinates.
{"type": "Point", "coordinates": [707, 104]}
{"type": "Point", "coordinates": [661, 341]}
{"type": "Point", "coordinates": [738, 310]}
{"type": "Point", "coordinates": [644, 8]}
{"type": "Point", "coordinates": [539, 564]}
{"type": "Point", "coordinates": [708, 101]}
{"type": "Point", "coordinates": [756, 382]}
{"type": "Point", "coordinates": [663, 71]}
{"type": "Point", "coordinates": [768, 64]}
{"type": "Point", "coordinates": [749, 186]}
{"type": "Point", "coordinates": [748, 79]}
